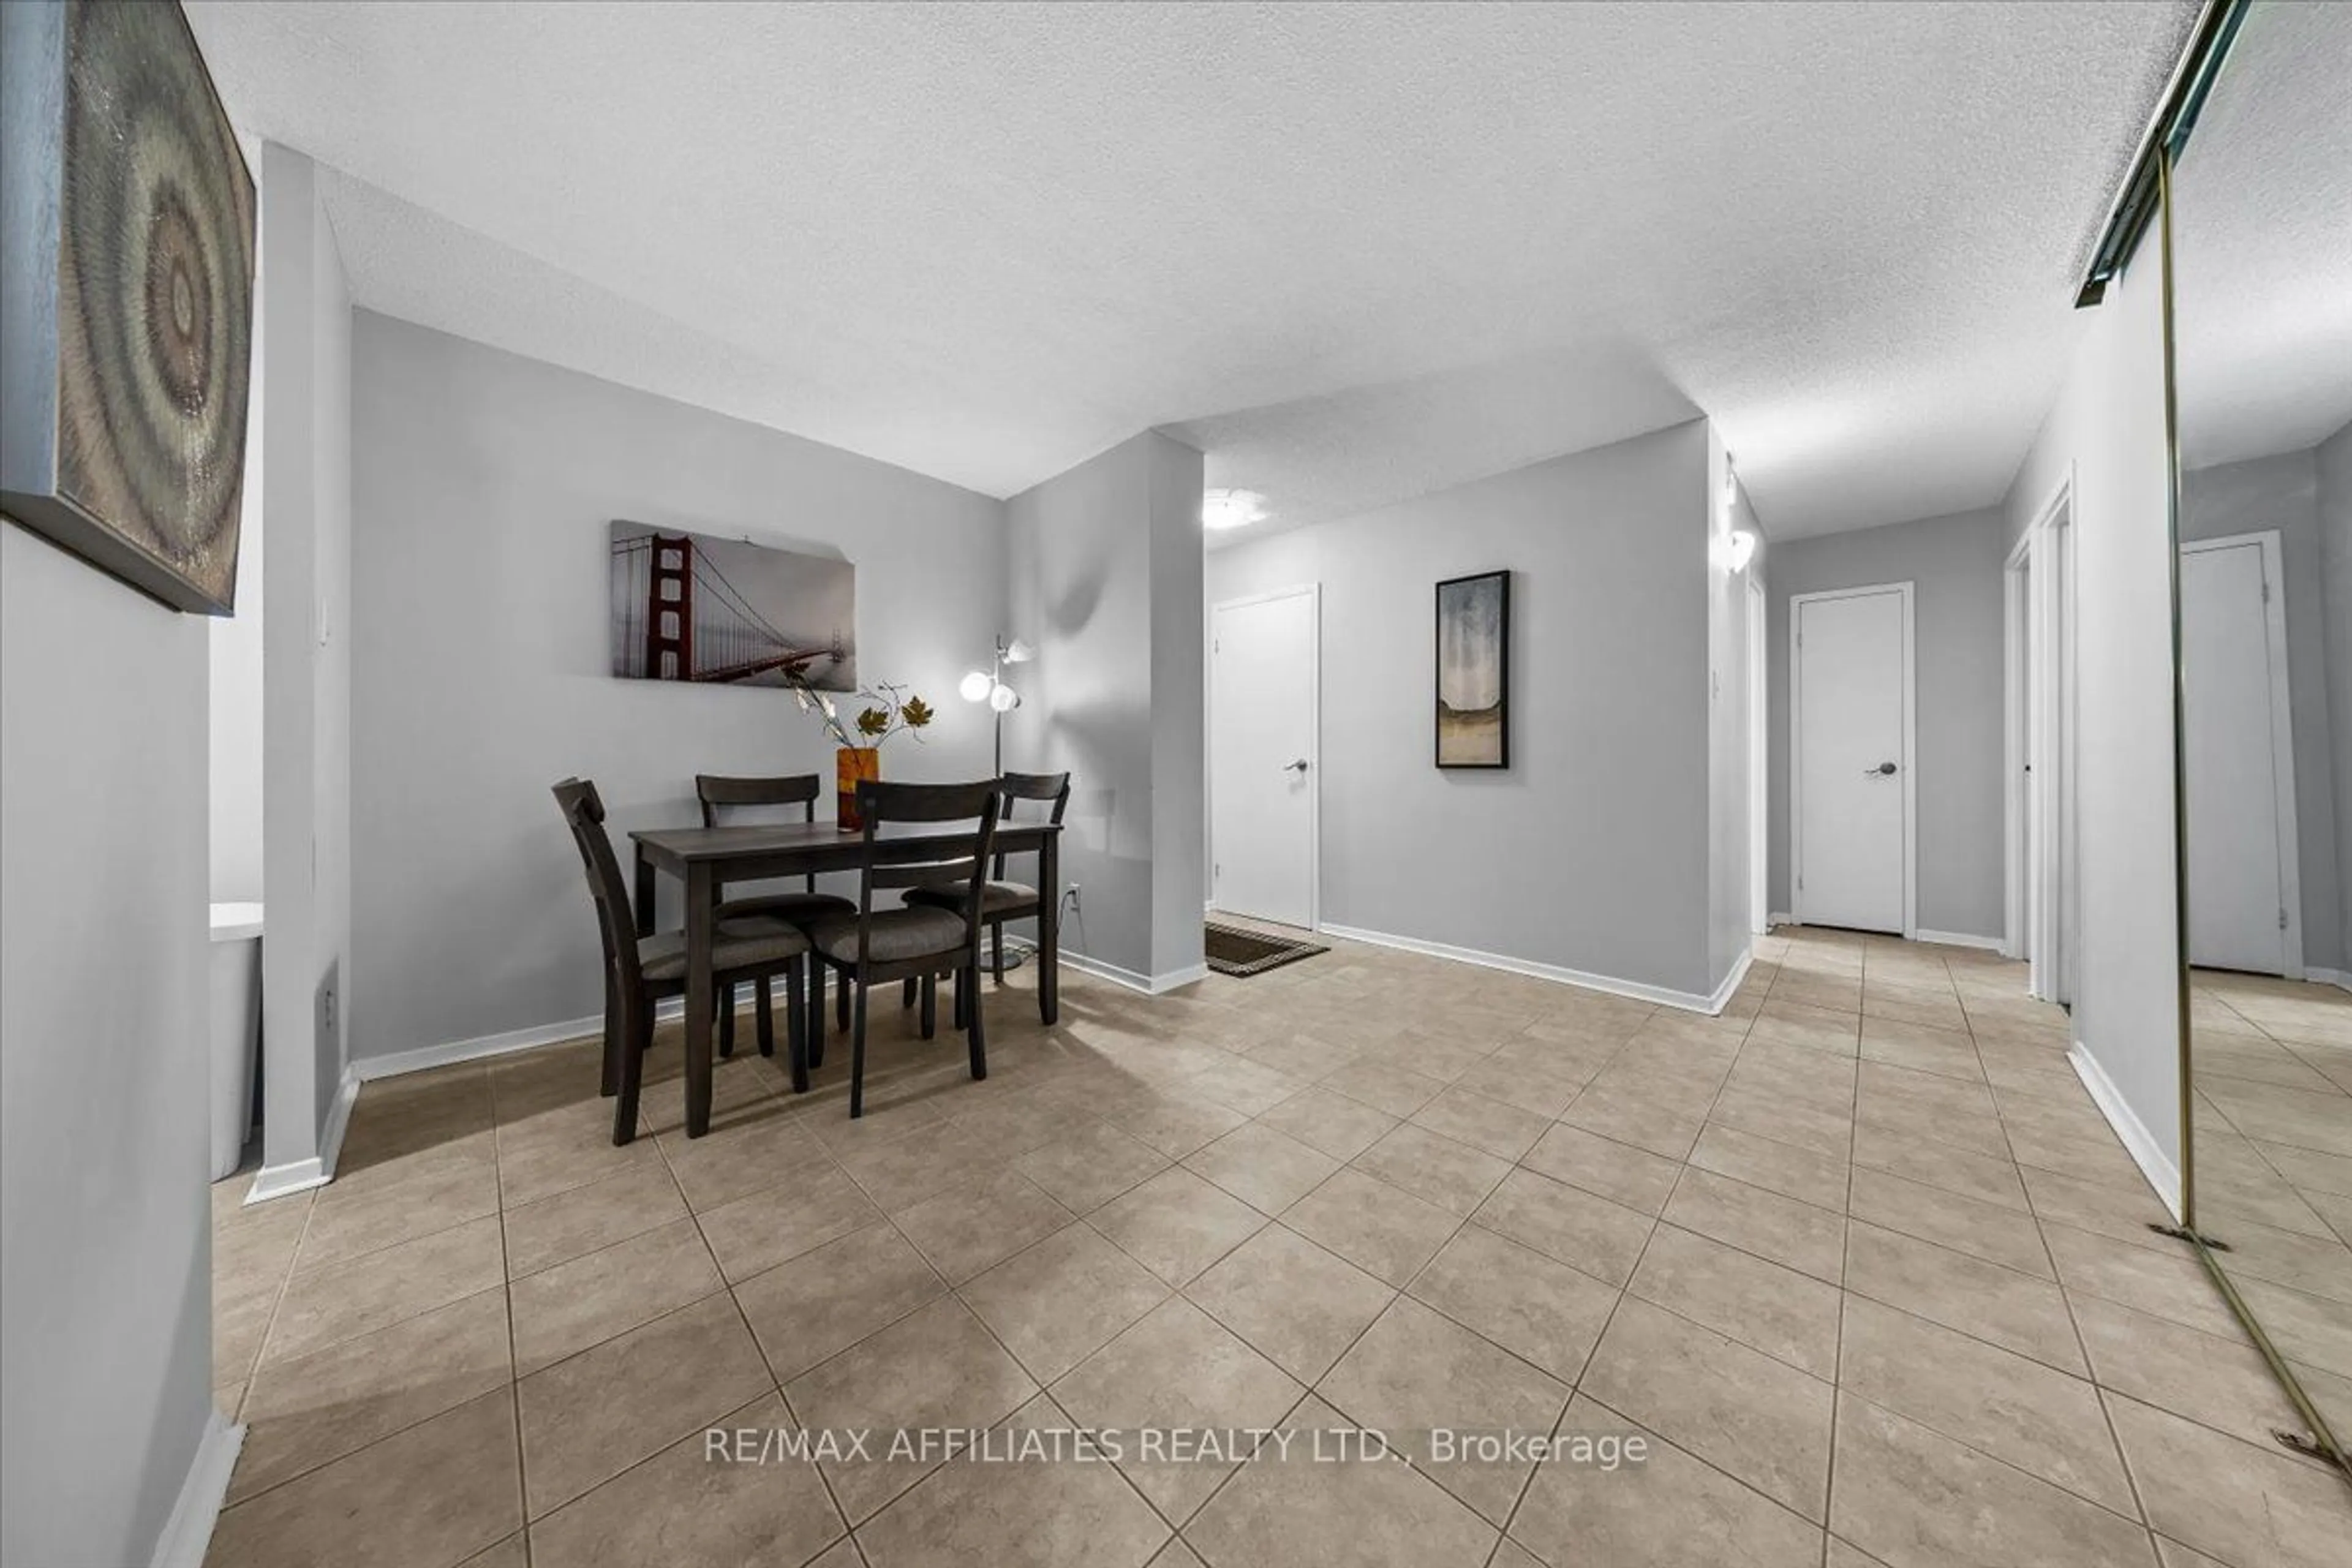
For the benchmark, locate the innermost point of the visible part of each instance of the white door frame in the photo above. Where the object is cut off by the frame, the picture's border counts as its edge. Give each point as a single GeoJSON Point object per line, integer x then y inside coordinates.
{"type": "Point", "coordinates": [1759, 730]}
{"type": "Point", "coordinates": [2290, 843]}
{"type": "Point", "coordinates": [1910, 749]}
{"type": "Point", "coordinates": [2015, 576]}
{"type": "Point", "coordinates": [1314, 591]}
{"type": "Point", "coordinates": [2039, 599]}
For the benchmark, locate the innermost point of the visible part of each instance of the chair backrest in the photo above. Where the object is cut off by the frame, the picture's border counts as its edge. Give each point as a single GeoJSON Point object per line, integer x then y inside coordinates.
{"type": "Point", "coordinates": [719, 792]}
{"type": "Point", "coordinates": [954, 858]}
{"type": "Point", "coordinates": [584, 813]}
{"type": "Point", "coordinates": [1053, 788]}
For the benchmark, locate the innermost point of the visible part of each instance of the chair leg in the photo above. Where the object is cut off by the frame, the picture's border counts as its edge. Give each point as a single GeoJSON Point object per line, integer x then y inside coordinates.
{"type": "Point", "coordinates": [816, 1013]}
{"type": "Point", "coordinates": [765, 1025]}
{"type": "Point", "coordinates": [841, 1001]}
{"type": "Point", "coordinates": [636, 1034]}
{"type": "Point", "coordinates": [726, 995]}
{"type": "Point", "coordinates": [963, 998]}
{"type": "Point", "coordinates": [856, 1050]}
{"type": "Point", "coordinates": [997, 944]}
{"type": "Point", "coordinates": [974, 1032]}
{"type": "Point", "coordinates": [929, 987]}
{"type": "Point", "coordinates": [906, 992]}
{"type": "Point", "coordinates": [796, 1022]}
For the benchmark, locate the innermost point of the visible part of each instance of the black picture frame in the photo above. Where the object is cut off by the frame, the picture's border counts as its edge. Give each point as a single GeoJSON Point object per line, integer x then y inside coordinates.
{"type": "Point", "coordinates": [1473, 638]}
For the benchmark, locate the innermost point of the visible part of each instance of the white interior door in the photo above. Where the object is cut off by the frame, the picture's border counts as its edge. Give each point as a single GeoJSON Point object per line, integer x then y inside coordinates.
{"type": "Point", "coordinates": [1851, 715]}
{"type": "Point", "coordinates": [2231, 688]}
{"type": "Point", "coordinates": [1262, 756]}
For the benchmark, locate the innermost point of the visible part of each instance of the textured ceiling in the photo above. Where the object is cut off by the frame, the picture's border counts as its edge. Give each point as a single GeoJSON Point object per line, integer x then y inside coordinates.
{"type": "Point", "coordinates": [1356, 253]}
{"type": "Point", "coordinates": [2262, 239]}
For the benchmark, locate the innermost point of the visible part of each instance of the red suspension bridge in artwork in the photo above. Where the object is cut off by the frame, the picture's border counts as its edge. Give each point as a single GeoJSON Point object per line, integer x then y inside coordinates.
{"type": "Point", "coordinates": [680, 619]}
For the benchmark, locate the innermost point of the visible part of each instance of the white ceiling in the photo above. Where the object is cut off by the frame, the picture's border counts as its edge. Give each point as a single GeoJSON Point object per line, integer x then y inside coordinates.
{"type": "Point", "coordinates": [2262, 242]}
{"type": "Point", "coordinates": [1355, 253]}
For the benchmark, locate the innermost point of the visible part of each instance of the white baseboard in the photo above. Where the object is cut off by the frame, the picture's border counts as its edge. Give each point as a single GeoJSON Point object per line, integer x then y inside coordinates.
{"type": "Point", "coordinates": [1150, 985]}
{"type": "Point", "coordinates": [2339, 978]}
{"type": "Point", "coordinates": [2138, 1142]}
{"type": "Point", "coordinates": [338, 1120]}
{"type": "Point", "coordinates": [1721, 999]}
{"type": "Point", "coordinates": [1689, 1001]}
{"type": "Point", "coordinates": [449, 1053]}
{"type": "Point", "coordinates": [301, 1175]}
{"type": "Point", "coordinates": [1780, 918]}
{"type": "Point", "coordinates": [1960, 939]}
{"type": "Point", "coordinates": [188, 1534]}
{"type": "Point", "coordinates": [286, 1180]}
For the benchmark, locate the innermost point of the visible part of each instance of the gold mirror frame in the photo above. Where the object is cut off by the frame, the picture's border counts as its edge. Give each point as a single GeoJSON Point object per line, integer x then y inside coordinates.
{"type": "Point", "coordinates": [2208, 49]}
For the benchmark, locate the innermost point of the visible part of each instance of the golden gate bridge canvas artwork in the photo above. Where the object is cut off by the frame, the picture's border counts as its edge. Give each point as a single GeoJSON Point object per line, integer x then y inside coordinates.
{"type": "Point", "coordinates": [693, 606]}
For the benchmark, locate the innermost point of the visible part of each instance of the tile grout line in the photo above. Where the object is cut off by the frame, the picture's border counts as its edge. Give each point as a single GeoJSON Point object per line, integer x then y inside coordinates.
{"type": "Point", "coordinates": [514, 1361]}
{"type": "Point", "coordinates": [2090, 1380]}
{"type": "Point", "coordinates": [1396, 1294]}
{"type": "Point", "coordinates": [2082, 1345]}
{"type": "Point", "coordinates": [1626, 1289]}
{"type": "Point", "coordinates": [1845, 1264]}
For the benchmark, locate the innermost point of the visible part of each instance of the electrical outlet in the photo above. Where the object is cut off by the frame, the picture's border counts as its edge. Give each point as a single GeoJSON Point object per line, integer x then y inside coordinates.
{"type": "Point", "coordinates": [1073, 897]}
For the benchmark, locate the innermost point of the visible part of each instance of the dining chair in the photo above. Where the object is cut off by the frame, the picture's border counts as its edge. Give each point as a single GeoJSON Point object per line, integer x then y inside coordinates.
{"type": "Point", "coordinates": [641, 970]}
{"type": "Point", "coordinates": [726, 798]}
{"type": "Point", "coordinates": [913, 940]}
{"type": "Point", "coordinates": [999, 899]}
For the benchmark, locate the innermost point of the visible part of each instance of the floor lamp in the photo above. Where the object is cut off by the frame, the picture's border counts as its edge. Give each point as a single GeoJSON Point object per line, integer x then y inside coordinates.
{"type": "Point", "coordinates": [988, 686]}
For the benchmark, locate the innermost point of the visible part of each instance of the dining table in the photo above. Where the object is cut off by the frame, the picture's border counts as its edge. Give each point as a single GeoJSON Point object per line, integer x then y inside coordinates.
{"type": "Point", "coordinates": [706, 860]}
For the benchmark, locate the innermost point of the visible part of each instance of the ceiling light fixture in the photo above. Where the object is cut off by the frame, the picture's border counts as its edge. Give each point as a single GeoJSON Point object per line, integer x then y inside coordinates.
{"type": "Point", "coordinates": [1223, 509]}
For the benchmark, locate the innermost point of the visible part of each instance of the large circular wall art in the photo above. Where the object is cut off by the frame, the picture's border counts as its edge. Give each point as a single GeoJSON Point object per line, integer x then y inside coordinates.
{"type": "Point", "coordinates": [151, 261]}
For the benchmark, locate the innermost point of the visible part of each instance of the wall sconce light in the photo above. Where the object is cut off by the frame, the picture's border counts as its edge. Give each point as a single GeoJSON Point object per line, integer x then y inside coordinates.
{"type": "Point", "coordinates": [1739, 550]}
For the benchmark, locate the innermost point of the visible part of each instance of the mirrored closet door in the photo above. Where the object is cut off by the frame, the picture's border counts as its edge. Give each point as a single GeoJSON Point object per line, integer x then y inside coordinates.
{"type": "Point", "coordinates": [2261, 245]}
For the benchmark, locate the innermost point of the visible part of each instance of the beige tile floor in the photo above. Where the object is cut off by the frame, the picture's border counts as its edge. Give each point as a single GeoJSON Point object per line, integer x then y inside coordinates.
{"type": "Point", "coordinates": [2273, 1065]}
{"type": "Point", "coordinates": [1859, 1262]}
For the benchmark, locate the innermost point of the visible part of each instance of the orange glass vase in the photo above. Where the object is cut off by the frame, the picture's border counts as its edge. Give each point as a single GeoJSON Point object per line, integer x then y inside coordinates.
{"type": "Point", "coordinates": [851, 767]}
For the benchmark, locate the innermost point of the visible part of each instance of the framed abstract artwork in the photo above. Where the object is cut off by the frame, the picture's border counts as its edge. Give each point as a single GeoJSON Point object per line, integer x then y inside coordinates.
{"type": "Point", "coordinates": [1473, 671]}
{"type": "Point", "coordinates": [726, 611]}
{"type": "Point", "coordinates": [126, 296]}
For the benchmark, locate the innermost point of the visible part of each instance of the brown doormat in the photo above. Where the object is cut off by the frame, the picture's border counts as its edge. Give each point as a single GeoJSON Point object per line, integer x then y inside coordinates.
{"type": "Point", "coordinates": [1233, 951]}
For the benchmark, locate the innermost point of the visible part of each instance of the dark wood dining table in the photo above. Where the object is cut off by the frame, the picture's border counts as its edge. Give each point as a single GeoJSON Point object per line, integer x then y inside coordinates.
{"type": "Point", "coordinates": [708, 858]}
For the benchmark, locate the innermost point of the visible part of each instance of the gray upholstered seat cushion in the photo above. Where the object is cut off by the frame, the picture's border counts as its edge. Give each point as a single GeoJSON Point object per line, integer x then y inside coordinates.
{"type": "Point", "coordinates": [803, 910]}
{"type": "Point", "coordinates": [995, 898]}
{"type": "Point", "coordinates": [912, 932]}
{"type": "Point", "coordinates": [739, 943]}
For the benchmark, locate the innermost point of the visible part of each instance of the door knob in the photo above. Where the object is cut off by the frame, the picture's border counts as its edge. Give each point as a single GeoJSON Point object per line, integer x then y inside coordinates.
{"type": "Point", "coordinates": [1882, 770]}
{"type": "Point", "coordinates": [1297, 767]}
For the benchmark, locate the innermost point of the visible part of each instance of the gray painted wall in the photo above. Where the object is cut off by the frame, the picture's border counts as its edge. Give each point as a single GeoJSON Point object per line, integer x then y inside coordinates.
{"type": "Point", "coordinates": [2106, 433]}
{"type": "Point", "coordinates": [1592, 851]}
{"type": "Point", "coordinates": [2282, 492]}
{"type": "Point", "coordinates": [235, 651]}
{"type": "Point", "coordinates": [1105, 574]}
{"type": "Point", "coordinates": [1954, 563]}
{"type": "Point", "coordinates": [106, 1298]}
{"type": "Point", "coordinates": [483, 484]}
{"type": "Point", "coordinates": [1180, 715]}
{"type": "Point", "coordinates": [2334, 460]}
{"type": "Point", "coordinates": [305, 399]}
